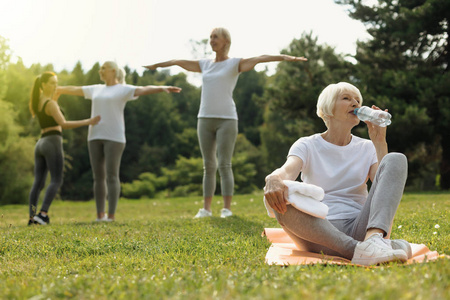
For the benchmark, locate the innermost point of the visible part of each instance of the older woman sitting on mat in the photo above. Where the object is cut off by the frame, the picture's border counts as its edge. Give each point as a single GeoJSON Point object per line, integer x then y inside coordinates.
{"type": "Point", "coordinates": [358, 223]}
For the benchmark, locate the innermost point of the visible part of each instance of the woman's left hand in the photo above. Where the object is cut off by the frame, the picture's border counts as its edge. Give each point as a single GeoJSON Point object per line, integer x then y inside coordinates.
{"type": "Point", "coordinates": [151, 67]}
{"type": "Point", "coordinates": [293, 58]}
{"type": "Point", "coordinates": [377, 134]}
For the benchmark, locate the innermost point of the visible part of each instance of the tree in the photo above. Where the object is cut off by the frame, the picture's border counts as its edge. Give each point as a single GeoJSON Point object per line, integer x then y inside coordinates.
{"type": "Point", "coordinates": [16, 152]}
{"type": "Point", "coordinates": [77, 172]}
{"type": "Point", "coordinates": [5, 55]}
{"type": "Point", "coordinates": [20, 80]}
{"type": "Point", "coordinates": [200, 49]}
{"type": "Point", "coordinates": [405, 66]}
{"type": "Point", "coordinates": [291, 96]}
{"type": "Point", "coordinates": [152, 124]}
{"type": "Point", "coordinates": [249, 89]}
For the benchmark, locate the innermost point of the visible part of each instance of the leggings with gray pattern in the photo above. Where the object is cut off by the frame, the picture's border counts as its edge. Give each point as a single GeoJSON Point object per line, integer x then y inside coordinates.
{"type": "Point", "coordinates": [219, 135]}
{"type": "Point", "coordinates": [339, 237]}
{"type": "Point", "coordinates": [105, 157]}
{"type": "Point", "coordinates": [48, 157]}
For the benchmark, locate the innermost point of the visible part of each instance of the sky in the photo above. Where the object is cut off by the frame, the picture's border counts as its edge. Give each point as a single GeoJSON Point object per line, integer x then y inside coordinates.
{"type": "Point", "coordinates": [141, 32]}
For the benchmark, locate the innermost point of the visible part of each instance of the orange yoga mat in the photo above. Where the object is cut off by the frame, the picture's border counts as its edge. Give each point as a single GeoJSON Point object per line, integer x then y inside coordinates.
{"type": "Point", "coordinates": [284, 252]}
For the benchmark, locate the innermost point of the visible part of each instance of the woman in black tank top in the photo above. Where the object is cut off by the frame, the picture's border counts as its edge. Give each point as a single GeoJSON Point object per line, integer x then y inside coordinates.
{"type": "Point", "coordinates": [49, 154]}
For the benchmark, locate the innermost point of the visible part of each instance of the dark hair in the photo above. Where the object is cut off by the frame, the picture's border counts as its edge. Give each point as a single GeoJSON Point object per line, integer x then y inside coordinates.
{"type": "Point", "coordinates": [36, 90]}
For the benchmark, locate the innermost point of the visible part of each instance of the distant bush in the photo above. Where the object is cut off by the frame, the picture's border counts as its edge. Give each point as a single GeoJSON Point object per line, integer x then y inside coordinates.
{"type": "Point", "coordinates": [145, 186]}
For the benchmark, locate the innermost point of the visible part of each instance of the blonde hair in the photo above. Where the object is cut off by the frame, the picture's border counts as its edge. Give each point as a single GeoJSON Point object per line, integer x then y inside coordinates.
{"type": "Point", "coordinates": [120, 72]}
{"type": "Point", "coordinates": [329, 95]}
{"type": "Point", "coordinates": [223, 32]}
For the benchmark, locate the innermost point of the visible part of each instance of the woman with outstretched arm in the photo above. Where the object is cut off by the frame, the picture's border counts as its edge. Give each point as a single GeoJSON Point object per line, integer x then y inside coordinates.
{"type": "Point", "coordinates": [49, 153]}
{"type": "Point", "coordinates": [106, 141]}
{"type": "Point", "coordinates": [217, 125]}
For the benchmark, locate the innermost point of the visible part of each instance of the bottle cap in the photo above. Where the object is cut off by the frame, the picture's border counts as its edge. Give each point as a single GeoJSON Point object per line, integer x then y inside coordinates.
{"type": "Point", "coordinates": [355, 111]}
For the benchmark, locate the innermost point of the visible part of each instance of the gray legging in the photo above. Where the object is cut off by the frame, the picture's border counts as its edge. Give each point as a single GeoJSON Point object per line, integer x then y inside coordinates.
{"type": "Point", "coordinates": [48, 156]}
{"type": "Point", "coordinates": [220, 134]}
{"type": "Point", "coordinates": [339, 237]}
{"type": "Point", "coordinates": [105, 157]}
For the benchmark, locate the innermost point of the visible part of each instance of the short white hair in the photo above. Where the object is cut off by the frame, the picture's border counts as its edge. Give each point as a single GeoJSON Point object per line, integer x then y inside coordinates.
{"type": "Point", "coordinates": [327, 99]}
{"type": "Point", "coordinates": [223, 32]}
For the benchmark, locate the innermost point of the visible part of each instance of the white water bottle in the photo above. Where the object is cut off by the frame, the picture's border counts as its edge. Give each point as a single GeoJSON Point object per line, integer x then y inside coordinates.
{"type": "Point", "coordinates": [377, 117]}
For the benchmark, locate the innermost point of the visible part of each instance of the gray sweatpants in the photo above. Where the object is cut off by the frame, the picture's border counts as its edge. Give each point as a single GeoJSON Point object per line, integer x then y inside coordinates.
{"type": "Point", "coordinates": [339, 237]}
{"type": "Point", "coordinates": [105, 157]}
{"type": "Point", "coordinates": [217, 135]}
{"type": "Point", "coordinates": [48, 156]}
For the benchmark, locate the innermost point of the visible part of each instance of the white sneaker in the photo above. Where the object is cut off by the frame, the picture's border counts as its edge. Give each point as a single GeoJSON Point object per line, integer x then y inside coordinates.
{"type": "Point", "coordinates": [202, 213]}
{"type": "Point", "coordinates": [225, 213]}
{"type": "Point", "coordinates": [399, 244]}
{"type": "Point", "coordinates": [402, 244]}
{"type": "Point", "coordinates": [375, 251]}
{"type": "Point", "coordinates": [104, 219]}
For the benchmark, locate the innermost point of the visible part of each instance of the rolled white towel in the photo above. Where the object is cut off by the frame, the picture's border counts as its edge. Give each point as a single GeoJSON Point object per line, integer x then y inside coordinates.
{"type": "Point", "coordinates": [304, 197]}
{"type": "Point", "coordinates": [306, 189]}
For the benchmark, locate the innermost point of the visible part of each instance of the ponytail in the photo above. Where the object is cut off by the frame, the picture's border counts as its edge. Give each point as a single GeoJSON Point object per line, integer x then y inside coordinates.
{"type": "Point", "coordinates": [35, 94]}
{"type": "Point", "coordinates": [36, 91]}
{"type": "Point", "coordinates": [121, 75]}
{"type": "Point", "coordinates": [120, 72]}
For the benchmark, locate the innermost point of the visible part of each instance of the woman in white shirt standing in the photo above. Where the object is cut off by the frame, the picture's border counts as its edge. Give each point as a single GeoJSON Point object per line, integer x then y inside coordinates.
{"type": "Point", "coordinates": [359, 223]}
{"type": "Point", "coordinates": [106, 141]}
{"type": "Point", "coordinates": [217, 118]}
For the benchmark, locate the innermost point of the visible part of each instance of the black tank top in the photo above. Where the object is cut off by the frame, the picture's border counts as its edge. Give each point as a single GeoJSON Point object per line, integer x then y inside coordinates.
{"type": "Point", "coordinates": [45, 120]}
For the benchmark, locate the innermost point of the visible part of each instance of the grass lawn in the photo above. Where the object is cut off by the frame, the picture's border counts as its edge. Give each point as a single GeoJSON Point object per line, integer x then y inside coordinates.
{"type": "Point", "coordinates": [155, 250]}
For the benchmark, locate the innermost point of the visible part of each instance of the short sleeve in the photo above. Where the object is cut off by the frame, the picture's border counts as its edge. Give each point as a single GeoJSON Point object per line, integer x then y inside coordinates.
{"type": "Point", "coordinates": [129, 91]}
{"type": "Point", "coordinates": [236, 62]}
{"type": "Point", "coordinates": [202, 63]}
{"type": "Point", "coordinates": [374, 153]}
{"type": "Point", "coordinates": [88, 90]}
{"type": "Point", "coordinates": [299, 149]}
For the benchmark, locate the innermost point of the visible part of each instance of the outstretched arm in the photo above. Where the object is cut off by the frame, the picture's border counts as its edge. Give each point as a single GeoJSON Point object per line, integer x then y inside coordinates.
{"type": "Point", "coordinates": [246, 64]}
{"type": "Point", "coordinates": [275, 191]}
{"type": "Point", "coordinates": [153, 89]}
{"type": "Point", "coordinates": [188, 65]}
{"type": "Point", "coordinates": [52, 109]}
{"type": "Point", "coordinates": [69, 90]}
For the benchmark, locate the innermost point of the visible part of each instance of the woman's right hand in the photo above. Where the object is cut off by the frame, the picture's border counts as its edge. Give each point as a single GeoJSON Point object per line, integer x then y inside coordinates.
{"type": "Point", "coordinates": [94, 120]}
{"type": "Point", "coordinates": [276, 193]}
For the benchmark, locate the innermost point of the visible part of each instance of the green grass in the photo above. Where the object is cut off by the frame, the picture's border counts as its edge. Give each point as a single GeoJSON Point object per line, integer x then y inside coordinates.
{"type": "Point", "coordinates": [155, 250]}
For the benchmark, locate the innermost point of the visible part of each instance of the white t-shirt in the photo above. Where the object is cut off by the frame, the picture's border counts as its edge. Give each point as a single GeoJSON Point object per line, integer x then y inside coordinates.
{"type": "Point", "coordinates": [109, 102]}
{"type": "Point", "coordinates": [342, 172]}
{"type": "Point", "coordinates": [218, 82]}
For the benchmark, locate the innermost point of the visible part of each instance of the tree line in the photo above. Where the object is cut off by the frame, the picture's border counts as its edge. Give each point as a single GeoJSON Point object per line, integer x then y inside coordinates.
{"type": "Point", "coordinates": [404, 67]}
